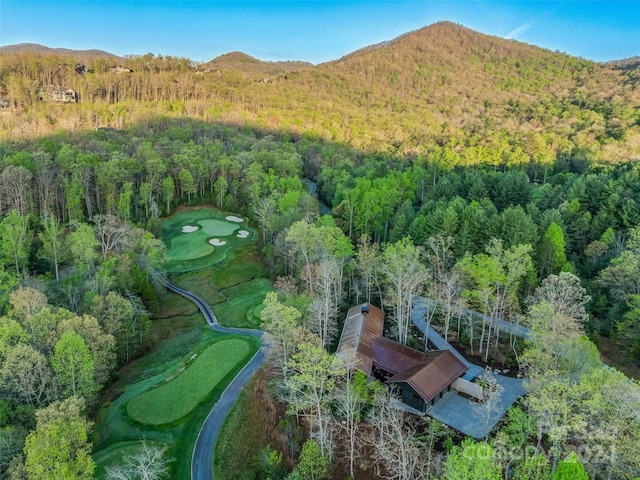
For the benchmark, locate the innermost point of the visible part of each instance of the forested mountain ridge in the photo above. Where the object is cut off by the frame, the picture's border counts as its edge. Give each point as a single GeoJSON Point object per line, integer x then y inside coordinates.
{"type": "Point", "coordinates": [444, 92]}
{"type": "Point", "coordinates": [86, 55]}
{"type": "Point", "coordinates": [241, 62]}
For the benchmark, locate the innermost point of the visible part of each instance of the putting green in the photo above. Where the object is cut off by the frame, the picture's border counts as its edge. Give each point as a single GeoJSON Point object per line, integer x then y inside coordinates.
{"type": "Point", "coordinates": [177, 397]}
{"type": "Point", "coordinates": [189, 235]}
{"type": "Point", "coordinates": [218, 228]}
{"type": "Point", "coordinates": [194, 238]}
{"type": "Point", "coordinates": [185, 248]}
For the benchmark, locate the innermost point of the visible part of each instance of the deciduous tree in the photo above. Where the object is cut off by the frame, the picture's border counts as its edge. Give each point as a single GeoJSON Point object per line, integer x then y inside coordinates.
{"type": "Point", "coordinates": [398, 446]}
{"type": "Point", "coordinates": [471, 461]}
{"type": "Point", "coordinates": [112, 234]}
{"type": "Point", "coordinates": [283, 323]}
{"type": "Point", "coordinates": [74, 366]}
{"type": "Point", "coordinates": [150, 463]}
{"type": "Point", "coordinates": [405, 276]}
{"type": "Point", "coordinates": [54, 248]}
{"type": "Point", "coordinates": [16, 240]}
{"type": "Point", "coordinates": [27, 377]}
{"type": "Point", "coordinates": [310, 384]}
{"type": "Point", "coordinates": [59, 448]}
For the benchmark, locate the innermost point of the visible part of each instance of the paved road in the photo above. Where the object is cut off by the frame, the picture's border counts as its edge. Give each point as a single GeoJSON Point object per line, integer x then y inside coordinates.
{"type": "Point", "coordinates": [420, 307]}
{"type": "Point", "coordinates": [202, 458]}
{"type": "Point", "coordinates": [454, 409]}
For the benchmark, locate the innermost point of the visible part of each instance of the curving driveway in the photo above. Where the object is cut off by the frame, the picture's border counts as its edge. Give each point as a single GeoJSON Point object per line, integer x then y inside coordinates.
{"type": "Point", "coordinates": [202, 458]}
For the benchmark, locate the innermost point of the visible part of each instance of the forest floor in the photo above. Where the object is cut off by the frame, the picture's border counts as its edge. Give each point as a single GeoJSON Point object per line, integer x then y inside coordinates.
{"type": "Point", "coordinates": [611, 354]}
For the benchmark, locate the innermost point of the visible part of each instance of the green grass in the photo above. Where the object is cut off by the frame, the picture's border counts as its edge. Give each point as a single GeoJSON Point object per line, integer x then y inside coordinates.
{"type": "Point", "coordinates": [179, 332]}
{"type": "Point", "coordinates": [189, 246]}
{"type": "Point", "coordinates": [181, 394]}
{"type": "Point", "coordinates": [200, 283]}
{"type": "Point", "coordinates": [192, 251]}
{"type": "Point", "coordinates": [219, 228]}
{"type": "Point", "coordinates": [243, 307]}
{"type": "Point", "coordinates": [241, 265]}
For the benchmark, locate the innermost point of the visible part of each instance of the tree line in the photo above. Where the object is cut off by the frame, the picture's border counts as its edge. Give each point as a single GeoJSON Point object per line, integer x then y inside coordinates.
{"type": "Point", "coordinates": [80, 213]}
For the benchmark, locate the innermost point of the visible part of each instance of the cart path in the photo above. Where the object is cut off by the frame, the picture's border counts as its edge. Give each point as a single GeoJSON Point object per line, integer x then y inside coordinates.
{"type": "Point", "coordinates": [202, 458]}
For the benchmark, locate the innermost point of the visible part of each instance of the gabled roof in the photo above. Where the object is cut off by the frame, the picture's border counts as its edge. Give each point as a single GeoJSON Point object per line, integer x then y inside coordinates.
{"type": "Point", "coordinates": [427, 373]}
{"type": "Point", "coordinates": [394, 357]}
{"type": "Point", "coordinates": [438, 370]}
{"type": "Point", "coordinates": [359, 331]}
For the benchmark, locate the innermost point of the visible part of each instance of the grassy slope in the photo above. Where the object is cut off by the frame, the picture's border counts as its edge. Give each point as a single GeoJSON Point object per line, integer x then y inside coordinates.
{"type": "Point", "coordinates": [251, 425]}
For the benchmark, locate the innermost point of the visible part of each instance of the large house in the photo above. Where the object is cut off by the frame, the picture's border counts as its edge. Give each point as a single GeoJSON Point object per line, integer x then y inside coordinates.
{"type": "Point", "coordinates": [420, 378]}
{"type": "Point", "coordinates": [58, 94]}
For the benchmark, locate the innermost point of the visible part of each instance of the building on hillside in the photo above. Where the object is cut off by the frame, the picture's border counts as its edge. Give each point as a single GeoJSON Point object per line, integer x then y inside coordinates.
{"type": "Point", "coordinates": [419, 378]}
{"type": "Point", "coordinates": [4, 102]}
{"type": "Point", "coordinates": [120, 69]}
{"type": "Point", "coordinates": [58, 94]}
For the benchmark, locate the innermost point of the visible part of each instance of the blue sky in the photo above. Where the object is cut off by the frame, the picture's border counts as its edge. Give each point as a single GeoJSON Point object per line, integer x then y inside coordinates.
{"type": "Point", "coordinates": [315, 31]}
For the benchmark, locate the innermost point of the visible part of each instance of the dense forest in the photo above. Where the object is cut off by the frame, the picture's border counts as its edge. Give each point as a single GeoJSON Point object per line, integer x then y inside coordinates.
{"type": "Point", "coordinates": [442, 91]}
{"type": "Point", "coordinates": [500, 174]}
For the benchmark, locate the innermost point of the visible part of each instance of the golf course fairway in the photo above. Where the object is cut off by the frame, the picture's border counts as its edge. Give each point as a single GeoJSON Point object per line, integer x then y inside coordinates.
{"type": "Point", "coordinates": [178, 396]}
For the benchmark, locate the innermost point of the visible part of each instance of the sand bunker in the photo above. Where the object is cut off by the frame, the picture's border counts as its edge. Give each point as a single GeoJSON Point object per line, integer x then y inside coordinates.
{"type": "Point", "coordinates": [242, 234]}
{"type": "Point", "coordinates": [189, 229]}
{"type": "Point", "coordinates": [233, 218]}
{"type": "Point", "coordinates": [216, 242]}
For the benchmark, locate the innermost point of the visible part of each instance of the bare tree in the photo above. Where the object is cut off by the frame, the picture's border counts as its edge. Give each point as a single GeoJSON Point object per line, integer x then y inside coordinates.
{"type": "Point", "coordinates": [398, 447]}
{"type": "Point", "coordinates": [111, 232]}
{"type": "Point", "coordinates": [265, 211]}
{"type": "Point", "coordinates": [15, 188]}
{"type": "Point", "coordinates": [565, 294]}
{"type": "Point", "coordinates": [151, 463]}
{"type": "Point", "coordinates": [45, 182]}
{"type": "Point", "coordinates": [324, 309]}
{"type": "Point", "coordinates": [348, 406]}
{"type": "Point", "coordinates": [491, 403]}
{"type": "Point", "coordinates": [405, 277]}
{"type": "Point", "coordinates": [451, 287]}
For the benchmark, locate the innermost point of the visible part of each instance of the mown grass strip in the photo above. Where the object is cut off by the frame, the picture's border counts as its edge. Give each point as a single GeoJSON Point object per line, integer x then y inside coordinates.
{"type": "Point", "coordinates": [176, 398]}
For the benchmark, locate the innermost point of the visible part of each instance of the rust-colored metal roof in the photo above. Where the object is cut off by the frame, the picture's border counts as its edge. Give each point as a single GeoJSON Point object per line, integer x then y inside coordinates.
{"type": "Point", "coordinates": [394, 357]}
{"type": "Point", "coordinates": [428, 373]}
{"type": "Point", "coordinates": [439, 369]}
{"type": "Point", "coordinates": [359, 331]}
